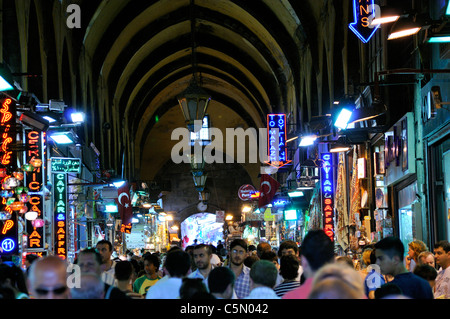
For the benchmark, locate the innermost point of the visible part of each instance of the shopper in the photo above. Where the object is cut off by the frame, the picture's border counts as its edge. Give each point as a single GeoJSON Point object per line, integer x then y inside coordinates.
{"type": "Point", "coordinates": [373, 279]}
{"type": "Point", "coordinates": [105, 249]}
{"type": "Point", "coordinates": [426, 258]}
{"type": "Point", "coordinates": [238, 253]}
{"type": "Point", "coordinates": [202, 257]}
{"type": "Point", "coordinates": [442, 254]}
{"type": "Point", "coordinates": [272, 256]}
{"type": "Point", "coordinates": [263, 276]}
{"type": "Point", "coordinates": [316, 250]}
{"type": "Point", "coordinates": [289, 272]}
{"type": "Point", "coordinates": [262, 247]}
{"type": "Point", "coordinates": [91, 287]}
{"type": "Point", "coordinates": [389, 252]}
{"type": "Point", "coordinates": [337, 281]}
{"type": "Point", "coordinates": [151, 267]}
{"type": "Point", "coordinates": [290, 247]}
{"type": "Point", "coordinates": [90, 261]}
{"type": "Point", "coordinates": [124, 272]}
{"type": "Point", "coordinates": [221, 283]}
{"type": "Point", "coordinates": [415, 248]}
{"type": "Point", "coordinates": [47, 279]}
{"type": "Point", "coordinates": [12, 277]}
{"type": "Point", "coordinates": [192, 287]}
{"type": "Point", "coordinates": [428, 273]}
{"type": "Point", "coordinates": [177, 263]}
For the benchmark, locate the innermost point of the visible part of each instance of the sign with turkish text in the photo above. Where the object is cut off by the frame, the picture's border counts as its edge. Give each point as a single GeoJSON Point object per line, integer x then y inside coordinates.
{"type": "Point", "coordinates": [327, 194]}
{"type": "Point", "coordinates": [276, 140]}
{"type": "Point", "coordinates": [245, 192]}
{"type": "Point", "coordinates": [65, 165]}
{"type": "Point", "coordinates": [60, 215]}
{"type": "Point", "coordinates": [363, 14]}
{"type": "Point", "coordinates": [33, 180]}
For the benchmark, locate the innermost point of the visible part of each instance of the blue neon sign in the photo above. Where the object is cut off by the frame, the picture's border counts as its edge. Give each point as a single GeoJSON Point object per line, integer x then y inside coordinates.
{"type": "Point", "coordinates": [8, 245]}
{"type": "Point", "coordinates": [363, 11]}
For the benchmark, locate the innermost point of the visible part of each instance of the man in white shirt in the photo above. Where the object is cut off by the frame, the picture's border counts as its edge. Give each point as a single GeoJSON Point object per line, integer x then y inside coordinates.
{"type": "Point", "coordinates": [105, 249]}
{"type": "Point", "coordinates": [442, 284]}
{"type": "Point", "coordinates": [202, 257]}
{"type": "Point", "coordinates": [177, 264]}
{"type": "Point", "coordinates": [263, 276]}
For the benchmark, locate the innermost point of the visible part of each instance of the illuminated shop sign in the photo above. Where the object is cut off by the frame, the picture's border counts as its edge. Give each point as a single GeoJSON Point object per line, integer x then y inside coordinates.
{"type": "Point", "coordinates": [7, 121]}
{"type": "Point", "coordinates": [327, 194]}
{"type": "Point", "coordinates": [34, 181]}
{"type": "Point", "coordinates": [60, 214]}
{"type": "Point", "coordinates": [276, 140]}
{"type": "Point", "coordinates": [9, 235]}
{"type": "Point", "coordinates": [363, 13]}
{"type": "Point", "coordinates": [65, 165]}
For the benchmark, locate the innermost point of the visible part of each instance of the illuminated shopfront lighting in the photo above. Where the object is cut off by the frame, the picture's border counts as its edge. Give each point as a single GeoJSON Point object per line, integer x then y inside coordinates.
{"type": "Point", "coordinates": [307, 140]}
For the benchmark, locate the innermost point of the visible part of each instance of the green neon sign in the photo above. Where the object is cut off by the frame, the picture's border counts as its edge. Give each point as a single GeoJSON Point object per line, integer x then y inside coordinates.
{"type": "Point", "coordinates": [65, 165]}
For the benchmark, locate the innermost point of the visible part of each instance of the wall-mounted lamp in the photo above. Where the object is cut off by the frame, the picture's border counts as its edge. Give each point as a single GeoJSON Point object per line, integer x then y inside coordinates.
{"type": "Point", "coordinates": [63, 138]}
{"type": "Point", "coordinates": [385, 15]}
{"type": "Point", "coordinates": [35, 121]}
{"type": "Point", "coordinates": [405, 26]}
{"type": "Point", "coordinates": [6, 81]}
{"type": "Point", "coordinates": [307, 140]}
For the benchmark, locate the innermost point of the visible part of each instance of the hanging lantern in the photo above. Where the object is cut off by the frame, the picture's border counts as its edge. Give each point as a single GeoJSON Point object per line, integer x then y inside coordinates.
{"type": "Point", "coordinates": [4, 215]}
{"type": "Point", "coordinates": [36, 162]}
{"type": "Point", "coordinates": [27, 168]}
{"type": "Point", "coordinates": [6, 193]}
{"type": "Point", "coordinates": [12, 182]}
{"type": "Point", "coordinates": [23, 198]}
{"type": "Point", "coordinates": [10, 200]}
{"type": "Point", "coordinates": [19, 190]}
{"type": "Point", "coordinates": [17, 205]}
{"type": "Point", "coordinates": [23, 210]}
{"type": "Point", "coordinates": [38, 223]}
{"type": "Point", "coordinates": [18, 175]}
{"type": "Point", "coordinates": [31, 215]}
{"type": "Point", "coordinates": [3, 172]}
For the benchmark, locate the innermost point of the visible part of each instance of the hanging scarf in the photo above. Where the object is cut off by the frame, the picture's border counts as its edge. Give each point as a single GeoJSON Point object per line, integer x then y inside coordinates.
{"type": "Point", "coordinates": [355, 192]}
{"type": "Point", "coordinates": [341, 205]}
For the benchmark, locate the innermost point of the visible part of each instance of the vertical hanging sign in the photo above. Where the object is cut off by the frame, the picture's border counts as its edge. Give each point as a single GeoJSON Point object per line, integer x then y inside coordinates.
{"type": "Point", "coordinates": [327, 194]}
{"type": "Point", "coordinates": [276, 140]}
{"type": "Point", "coordinates": [60, 215]}
{"type": "Point", "coordinates": [33, 181]}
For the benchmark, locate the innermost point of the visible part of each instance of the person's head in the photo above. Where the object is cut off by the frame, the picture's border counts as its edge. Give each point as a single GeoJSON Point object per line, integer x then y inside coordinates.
{"type": "Point", "coordinates": [366, 256]}
{"type": "Point", "coordinates": [442, 253]}
{"type": "Point", "coordinates": [262, 247]}
{"type": "Point", "coordinates": [123, 270]}
{"type": "Point", "coordinates": [29, 259]}
{"type": "Point", "coordinates": [151, 264]}
{"type": "Point", "coordinates": [289, 267]}
{"type": "Point", "coordinates": [250, 260]}
{"type": "Point", "coordinates": [191, 287]}
{"type": "Point", "coordinates": [221, 282]}
{"type": "Point", "coordinates": [13, 277]}
{"type": "Point", "coordinates": [91, 287]}
{"type": "Point", "coordinates": [105, 249]}
{"type": "Point", "coordinates": [89, 260]}
{"type": "Point", "coordinates": [263, 273]}
{"type": "Point", "coordinates": [388, 290]}
{"type": "Point", "coordinates": [346, 260]}
{"type": "Point", "coordinates": [271, 256]}
{"type": "Point", "coordinates": [177, 263]}
{"type": "Point", "coordinates": [238, 251]}
{"type": "Point", "coordinates": [389, 252]}
{"type": "Point", "coordinates": [426, 258]}
{"type": "Point", "coordinates": [288, 247]}
{"type": "Point", "coordinates": [337, 281]}
{"type": "Point", "coordinates": [415, 248]}
{"type": "Point", "coordinates": [426, 272]}
{"type": "Point", "coordinates": [317, 249]}
{"type": "Point", "coordinates": [47, 279]}
{"type": "Point", "coordinates": [202, 256]}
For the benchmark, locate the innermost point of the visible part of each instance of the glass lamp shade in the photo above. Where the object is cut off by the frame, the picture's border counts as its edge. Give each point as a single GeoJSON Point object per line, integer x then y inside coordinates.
{"type": "Point", "coordinates": [31, 215]}
{"type": "Point", "coordinates": [38, 223]}
{"type": "Point", "coordinates": [197, 164]}
{"type": "Point", "coordinates": [204, 195]}
{"type": "Point", "coordinates": [36, 162]}
{"type": "Point", "coordinates": [18, 175]}
{"type": "Point", "coordinates": [193, 103]}
{"type": "Point", "coordinates": [12, 182]}
{"type": "Point", "coordinates": [17, 205]}
{"type": "Point", "coordinates": [200, 182]}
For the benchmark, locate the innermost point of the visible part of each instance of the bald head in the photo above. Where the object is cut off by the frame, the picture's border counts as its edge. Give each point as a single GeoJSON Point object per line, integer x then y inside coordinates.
{"type": "Point", "coordinates": [48, 279]}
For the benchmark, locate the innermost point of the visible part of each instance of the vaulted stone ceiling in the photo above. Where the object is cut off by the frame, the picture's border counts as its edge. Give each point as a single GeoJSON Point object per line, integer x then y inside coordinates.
{"type": "Point", "coordinates": [247, 59]}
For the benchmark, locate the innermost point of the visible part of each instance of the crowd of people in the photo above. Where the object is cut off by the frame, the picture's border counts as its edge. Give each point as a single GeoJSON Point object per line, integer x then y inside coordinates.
{"type": "Point", "coordinates": [242, 271]}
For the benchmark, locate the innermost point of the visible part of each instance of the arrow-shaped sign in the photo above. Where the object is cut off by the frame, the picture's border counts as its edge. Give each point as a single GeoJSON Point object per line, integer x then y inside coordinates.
{"type": "Point", "coordinates": [363, 14]}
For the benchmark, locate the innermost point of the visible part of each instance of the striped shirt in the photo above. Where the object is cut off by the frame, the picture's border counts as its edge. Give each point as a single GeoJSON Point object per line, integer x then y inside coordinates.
{"type": "Point", "coordinates": [286, 286]}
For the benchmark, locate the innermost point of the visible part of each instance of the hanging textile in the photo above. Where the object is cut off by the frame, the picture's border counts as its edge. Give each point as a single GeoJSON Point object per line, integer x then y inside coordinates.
{"type": "Point", "coordinates": [355, 192]}
{"type": "Point", "coordinates": [341, 208]}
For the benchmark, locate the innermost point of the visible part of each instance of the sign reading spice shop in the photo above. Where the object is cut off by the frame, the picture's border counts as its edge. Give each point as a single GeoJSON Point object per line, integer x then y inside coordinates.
{"type": "Point", "coordinates": [327, 194]}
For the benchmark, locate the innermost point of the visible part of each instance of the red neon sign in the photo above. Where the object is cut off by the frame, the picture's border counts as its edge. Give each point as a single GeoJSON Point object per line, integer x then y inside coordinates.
{"type": "Point", "coordinates": [7, 136]}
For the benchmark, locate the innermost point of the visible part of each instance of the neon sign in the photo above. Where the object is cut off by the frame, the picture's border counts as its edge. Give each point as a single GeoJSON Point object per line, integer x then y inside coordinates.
{"type": "Point", "coordinates": [276, 140]}
{"type": "Point", "coordinates": [65, 165]}
{"type": "Point", "coordinates": [34, 180]}
{"type": "Point", "coordinates": [7, 118]}
{"type": "Point", "coordinates": [363, 11]}
{"type": "Point", "coordinates": [327, 195]}
{"type": "Point", "coordinates": [60, 214]}
{"type": "Point", "coordinates": [9, 235]}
